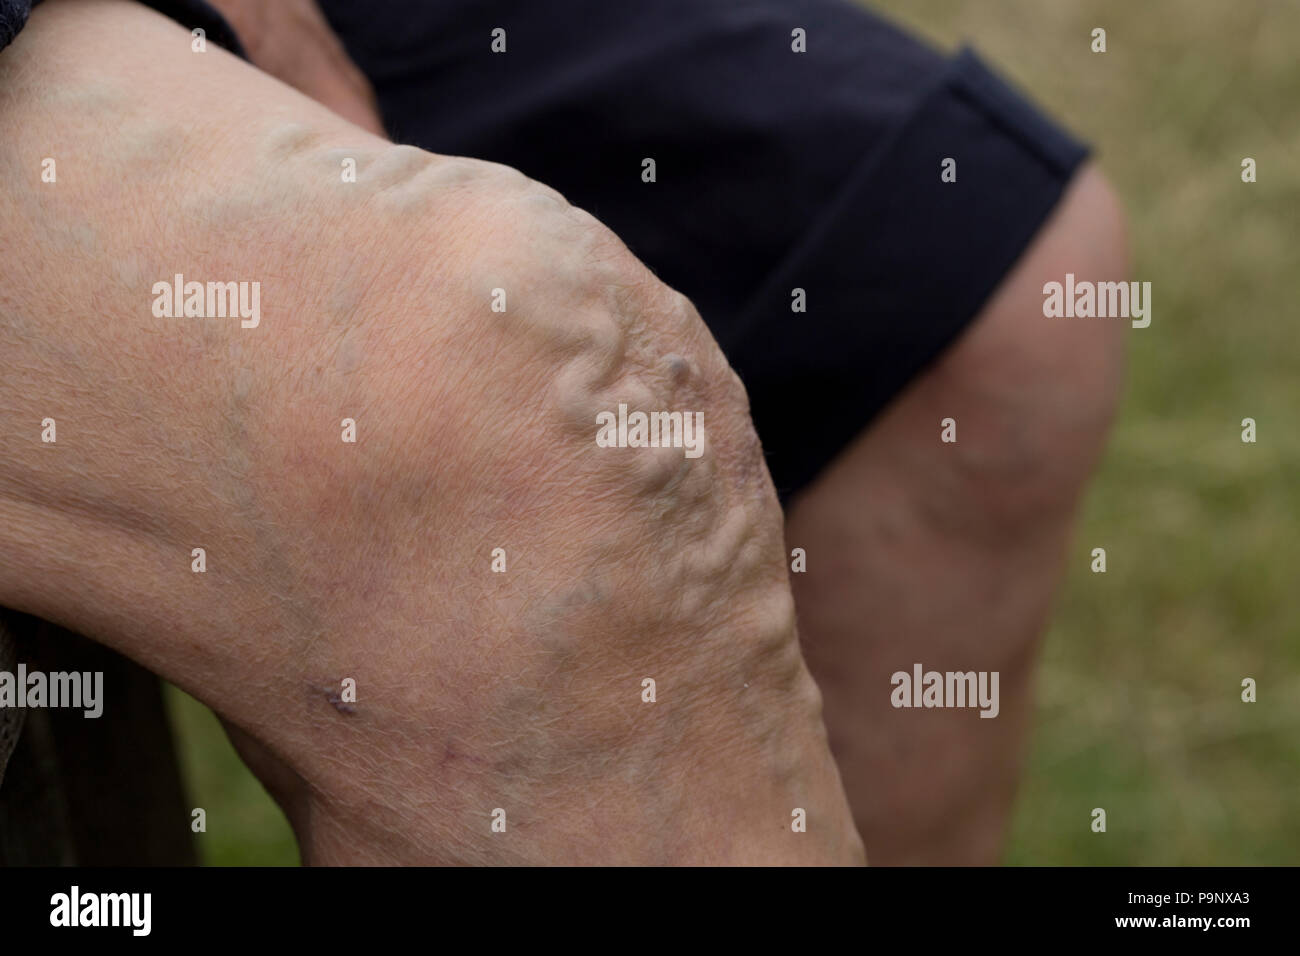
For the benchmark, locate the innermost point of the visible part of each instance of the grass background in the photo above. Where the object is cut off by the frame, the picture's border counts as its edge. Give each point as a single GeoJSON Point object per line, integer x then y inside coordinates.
{"type": "Point", "coordinates": [1139, 691]}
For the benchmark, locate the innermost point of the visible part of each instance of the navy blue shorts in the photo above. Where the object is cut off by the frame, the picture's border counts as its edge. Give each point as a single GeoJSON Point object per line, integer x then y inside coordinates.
{"type": "Point", "coordinates": [775, 171]}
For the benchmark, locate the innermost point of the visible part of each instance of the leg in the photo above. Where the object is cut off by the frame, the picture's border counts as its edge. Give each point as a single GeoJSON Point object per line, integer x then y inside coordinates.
{"type": "Point", "coordinates": [372, 560]}
{"type": "Point", "coordinates": [948, 554]}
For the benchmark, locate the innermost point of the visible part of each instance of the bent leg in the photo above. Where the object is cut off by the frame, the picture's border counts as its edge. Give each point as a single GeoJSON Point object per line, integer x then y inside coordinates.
{"type": "Point", "coordinates": [947, 555]}
{"type": "Point", "coordinates": [370, 561]}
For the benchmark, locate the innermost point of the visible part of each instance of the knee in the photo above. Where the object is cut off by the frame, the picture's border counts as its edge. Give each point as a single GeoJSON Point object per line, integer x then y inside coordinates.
{"type": "Point", "coordinates": [547, 395]}
{"type": "Point", "coordinates": [633, 546]}
{"type": "Point", "coordinates": [1035, 396]}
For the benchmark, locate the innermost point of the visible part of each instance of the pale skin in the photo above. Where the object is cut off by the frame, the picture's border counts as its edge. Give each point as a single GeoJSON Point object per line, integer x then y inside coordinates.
{"type": "Point", "coordinates": [372, 561]}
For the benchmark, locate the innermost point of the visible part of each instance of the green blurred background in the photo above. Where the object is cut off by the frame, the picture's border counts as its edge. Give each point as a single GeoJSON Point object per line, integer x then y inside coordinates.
{"type": "Point", "coordinates": [1139, 690]}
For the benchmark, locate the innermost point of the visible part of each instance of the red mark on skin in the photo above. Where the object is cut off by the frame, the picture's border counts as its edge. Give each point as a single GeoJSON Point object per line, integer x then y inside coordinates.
{"type": "Point", "coordinates": [334, 696]}
{"type": "Point", "coordinates": [450, 753]}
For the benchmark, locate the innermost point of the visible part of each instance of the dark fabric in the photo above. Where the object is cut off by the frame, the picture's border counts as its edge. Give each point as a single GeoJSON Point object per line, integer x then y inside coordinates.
{"type": "Point", "coordinates": [776, 170]}
{"type": "Point", "coordinates": [896, 266]}
{"type": "Point", "coordinates": [13, 15]}
{"type": "Point", "coordinates": [189, 13]}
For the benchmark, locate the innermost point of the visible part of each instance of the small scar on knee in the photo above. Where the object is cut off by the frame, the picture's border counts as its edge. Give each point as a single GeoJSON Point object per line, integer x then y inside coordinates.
{"type": "Point", "coordinates": [335, 697]}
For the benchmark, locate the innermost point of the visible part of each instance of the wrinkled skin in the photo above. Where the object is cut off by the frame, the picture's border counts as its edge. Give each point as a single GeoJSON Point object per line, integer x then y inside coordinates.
{"type": "Point", "coordinates": [475, 430]}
